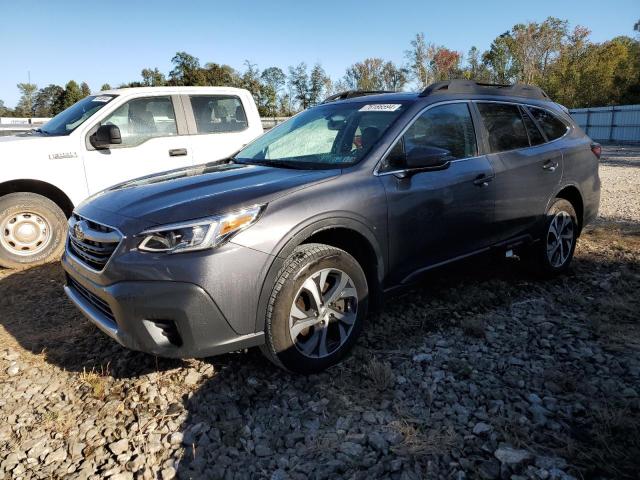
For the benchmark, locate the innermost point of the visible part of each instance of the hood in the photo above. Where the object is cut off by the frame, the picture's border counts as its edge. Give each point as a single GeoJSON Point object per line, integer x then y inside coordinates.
{"type": "Point", "coordinates": [35, 145]}
{"type": "Point", "coordinates": [200, 191]}
{"type": "Point", "coordinates": [22, 137]}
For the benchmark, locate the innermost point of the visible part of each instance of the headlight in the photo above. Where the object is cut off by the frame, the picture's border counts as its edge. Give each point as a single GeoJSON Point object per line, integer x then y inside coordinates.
{"type": "Point", "coordinates": [198, 234]}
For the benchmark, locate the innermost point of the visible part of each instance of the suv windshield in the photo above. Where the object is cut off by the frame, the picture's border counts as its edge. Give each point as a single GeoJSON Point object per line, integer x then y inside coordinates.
{"type": "Point", "coordinates": [68, 120]}
{"type": "Point", "coordinates": [328, 136]}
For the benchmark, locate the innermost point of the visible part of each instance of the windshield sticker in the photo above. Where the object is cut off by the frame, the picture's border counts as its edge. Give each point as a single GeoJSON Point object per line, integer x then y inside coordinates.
{"type": "Point", "coordinates": [381, 107]}
{"type": "Point", "coordinates": [102, 98]}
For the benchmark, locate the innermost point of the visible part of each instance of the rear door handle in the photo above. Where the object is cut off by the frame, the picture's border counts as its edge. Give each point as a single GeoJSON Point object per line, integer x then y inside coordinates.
{"type": "Point", "coordinates": [550, 165]}
{"type": "Point", "coordinates": [177, 152]}
{"type": "Point", "coordinates": [482, 180]}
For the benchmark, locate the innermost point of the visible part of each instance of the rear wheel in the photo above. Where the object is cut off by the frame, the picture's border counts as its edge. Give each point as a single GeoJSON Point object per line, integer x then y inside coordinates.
{"type": "Point", "coordinates": [552, 255]}
{"type": "Point", "coordinates": [317, 309]}
{"type": "Point", "coordinates": [32, 230]}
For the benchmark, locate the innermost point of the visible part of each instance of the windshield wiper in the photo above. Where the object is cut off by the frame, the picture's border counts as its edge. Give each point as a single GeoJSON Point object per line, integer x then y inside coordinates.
{"type": "Point", "coordinates": [39, 130]}
{"type": "Point", "coordinates": [271, 163]}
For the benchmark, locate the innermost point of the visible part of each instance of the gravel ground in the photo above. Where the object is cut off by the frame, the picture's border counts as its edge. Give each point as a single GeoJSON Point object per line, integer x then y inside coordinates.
{"type": "Point", "coordinates": [480, 372]}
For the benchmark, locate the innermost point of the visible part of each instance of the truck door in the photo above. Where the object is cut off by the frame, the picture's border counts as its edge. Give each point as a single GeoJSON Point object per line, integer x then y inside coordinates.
{"type": "Point", "coordinates": [219, 125]}
{"type": "Point", "coordinates": [154, 140]}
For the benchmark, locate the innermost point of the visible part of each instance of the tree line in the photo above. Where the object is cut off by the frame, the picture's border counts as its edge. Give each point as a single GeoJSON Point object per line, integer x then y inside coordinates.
{"type": "Point", "coordinates": [571, 68]}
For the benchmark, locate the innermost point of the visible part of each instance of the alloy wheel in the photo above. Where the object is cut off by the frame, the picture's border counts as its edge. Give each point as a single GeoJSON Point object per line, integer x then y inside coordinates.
{"type": "Point", "coordinates": [323, 313]}
{"type": "Point", "coordinates": [560, 238]}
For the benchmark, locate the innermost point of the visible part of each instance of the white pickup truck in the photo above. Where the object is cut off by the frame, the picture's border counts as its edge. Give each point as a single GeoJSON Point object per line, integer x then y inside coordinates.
{"type": "Point", "coordinates": [105, 139]}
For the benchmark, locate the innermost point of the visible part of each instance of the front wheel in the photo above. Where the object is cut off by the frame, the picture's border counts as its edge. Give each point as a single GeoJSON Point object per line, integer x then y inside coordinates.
{"type": "Point", "coordinates": [32, 230]}
{"type": "Point", "coordinates": [552, 255]}
{"type": "Point", "coordinates": [316, 310]}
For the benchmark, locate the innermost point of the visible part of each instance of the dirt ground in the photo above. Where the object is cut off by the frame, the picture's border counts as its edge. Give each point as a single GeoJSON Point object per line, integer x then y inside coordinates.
{"type": "Point", "coordinates": [481, 371]}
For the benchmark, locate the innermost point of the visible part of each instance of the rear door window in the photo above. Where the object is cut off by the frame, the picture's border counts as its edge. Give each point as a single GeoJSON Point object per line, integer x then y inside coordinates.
{"type": "Point", "coordinates": [218, 113]}
{"type": "Point", "coordinates": [552, 126]}
{"type": "Point", "coordinates": [535, 137]}
{"type": "Point", "coordinates": [505, 126]}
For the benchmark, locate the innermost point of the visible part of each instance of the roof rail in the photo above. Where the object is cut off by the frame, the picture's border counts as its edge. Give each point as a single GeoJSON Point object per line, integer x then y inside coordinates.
{"type": "Point", "coordinates": [471, 86]}
{"type": "Point", "coordinates": [353, 94]}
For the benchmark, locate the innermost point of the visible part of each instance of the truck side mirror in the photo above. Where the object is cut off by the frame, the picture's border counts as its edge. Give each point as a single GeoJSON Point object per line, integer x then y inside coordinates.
{"type": "Point", "coordinates": [105, 135]}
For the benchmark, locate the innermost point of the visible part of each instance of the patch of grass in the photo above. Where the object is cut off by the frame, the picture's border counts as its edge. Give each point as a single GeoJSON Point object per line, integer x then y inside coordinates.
{"type": "Point", "coordinates": [473, 326]}
{"type": "Point", "coordinates": [422, 442]}
{"type": "Point", "coordinates": [380, 374]}
{"type": "Point", "coordinates": [605, 443]}
{"type": "Point", "coordinates": [96, 381]}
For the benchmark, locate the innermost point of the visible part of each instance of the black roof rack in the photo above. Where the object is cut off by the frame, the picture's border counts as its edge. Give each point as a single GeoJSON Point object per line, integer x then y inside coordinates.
{"type": "Point", "coordinates": [471, 86]}
{"type": "Point", "coordinates": [353, 94]}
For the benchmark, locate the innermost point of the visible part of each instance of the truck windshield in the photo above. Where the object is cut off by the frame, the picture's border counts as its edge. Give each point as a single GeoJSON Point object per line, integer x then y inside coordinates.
{"type": "Point", "coordinates": [327, 136]}
{"type": "Point", "coordinates": [68, 120]}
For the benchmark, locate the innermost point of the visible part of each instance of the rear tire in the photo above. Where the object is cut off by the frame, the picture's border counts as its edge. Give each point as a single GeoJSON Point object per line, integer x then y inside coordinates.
{"type": "Point", "coordinates": [32, 230]}
{"type": "Point", "coordinates": [316, 310]}
{"type": "Point", "coordinates": [553, 253]}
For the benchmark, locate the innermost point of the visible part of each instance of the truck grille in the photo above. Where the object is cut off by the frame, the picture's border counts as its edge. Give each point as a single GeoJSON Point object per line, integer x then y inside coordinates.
{"type": "Point", "coordinates": [94, 300]}
{"type": "Point", "coordinates": [91, 242]}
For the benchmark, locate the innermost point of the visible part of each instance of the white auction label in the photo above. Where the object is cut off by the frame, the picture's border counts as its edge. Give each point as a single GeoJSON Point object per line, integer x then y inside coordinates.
{"type": "Point", "coordinates": [381, 107]}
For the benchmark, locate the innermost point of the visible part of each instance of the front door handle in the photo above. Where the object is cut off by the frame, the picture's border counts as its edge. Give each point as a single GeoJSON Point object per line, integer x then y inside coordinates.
{"type": "Point", "coordinates": [482, 180]}
{"type": "Point", "coordinates": [177, 152]}
{"type": "Point", "coordinates": [550, 166]}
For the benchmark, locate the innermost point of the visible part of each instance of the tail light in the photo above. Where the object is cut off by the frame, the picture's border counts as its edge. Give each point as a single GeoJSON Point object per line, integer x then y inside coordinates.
{"type": "Point", "coordinates": [596, 148]}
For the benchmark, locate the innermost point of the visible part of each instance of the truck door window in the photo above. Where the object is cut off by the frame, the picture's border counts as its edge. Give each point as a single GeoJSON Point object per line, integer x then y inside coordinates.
{"type": "Point", "coordinates": [143, 118]}
{"type": "Point", "coordinates": [218, 113]}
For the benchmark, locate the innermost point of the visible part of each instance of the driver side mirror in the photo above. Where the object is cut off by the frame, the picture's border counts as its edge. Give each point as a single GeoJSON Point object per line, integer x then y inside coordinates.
{"type": "Point", "coordinates": [105, 136]}
{"type": "Point", "coordinates": [428, 158]}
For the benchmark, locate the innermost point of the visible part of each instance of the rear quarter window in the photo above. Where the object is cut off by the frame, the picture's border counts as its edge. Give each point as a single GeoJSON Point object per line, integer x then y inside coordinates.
{"type": "Point", "coordinates": [551, 125]}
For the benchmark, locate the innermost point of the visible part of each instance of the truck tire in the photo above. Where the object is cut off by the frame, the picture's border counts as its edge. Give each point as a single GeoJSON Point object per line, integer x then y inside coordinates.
{"type": "Point", "coordinates": [552, 255]}
{"type": "Point", "coordinates": [316, 310]}
{"type": "Point", "coordinates": [32, 230]}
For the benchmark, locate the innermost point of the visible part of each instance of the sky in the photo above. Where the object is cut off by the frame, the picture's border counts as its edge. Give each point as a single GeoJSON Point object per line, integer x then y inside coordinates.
{"type": "Point", "coordinates": [111, 42]}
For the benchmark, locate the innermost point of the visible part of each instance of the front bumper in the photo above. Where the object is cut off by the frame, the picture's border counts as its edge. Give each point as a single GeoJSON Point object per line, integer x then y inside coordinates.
{"type": "Point", "coordinates": [166, 318]}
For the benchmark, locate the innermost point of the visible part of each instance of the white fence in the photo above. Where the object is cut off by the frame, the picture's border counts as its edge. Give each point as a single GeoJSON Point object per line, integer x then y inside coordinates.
{"type": "Point", "coordinates": [620, 124]}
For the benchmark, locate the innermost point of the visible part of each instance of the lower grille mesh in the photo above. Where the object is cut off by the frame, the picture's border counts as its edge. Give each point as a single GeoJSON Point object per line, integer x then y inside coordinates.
{"type": "Point", "coordinates": [94, 300]}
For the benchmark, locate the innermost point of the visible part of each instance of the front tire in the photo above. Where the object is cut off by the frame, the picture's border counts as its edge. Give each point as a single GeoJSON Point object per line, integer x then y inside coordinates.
{"type": "Point", "coordinates": [552, 255]}
{"type": "Point", "coordinates": [32, 230]}
{"type": "Point", "coordinates": [316, 310]}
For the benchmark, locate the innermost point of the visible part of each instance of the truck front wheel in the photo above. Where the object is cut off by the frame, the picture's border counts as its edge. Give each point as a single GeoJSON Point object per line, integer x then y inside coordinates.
{"type": "Point", "coordinates": [32, 230]}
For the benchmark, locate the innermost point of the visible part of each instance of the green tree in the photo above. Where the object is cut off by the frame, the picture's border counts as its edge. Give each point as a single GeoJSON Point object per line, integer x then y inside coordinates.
{"type": "Point", "coordinates": [104, 87]}
{"type": "Point", "coordinates": [48, 101]}
{"type": "Point", "coordinates": [85, 89]}
{"type": "Point", "coordinates": [394, 78]}
{"type": "Point", "coordinates": [317, 84]}
{"type": "Point", "coordinates": [220, 75]}
{"type": "Point", "coordinates": [273, 79]}
{"type": "Point", "coordinates": [152, 78]}
{"type": "Point", "coordinates": [419, 57]}
{"type": "Point", "coordinates": [27, 97]}
{"type": "Point", "coordinates": [186, 70]}
{"type": "Point", "coordinates": [4, 111]}
{"type": "Point", "coordinates": [298, 81]}
{"type": "Point", "coordinates": [365, 75]}
{"type": "Point", "coordinates": [500, 61]}
{"type": "Point", "coordinates": [72, 94]}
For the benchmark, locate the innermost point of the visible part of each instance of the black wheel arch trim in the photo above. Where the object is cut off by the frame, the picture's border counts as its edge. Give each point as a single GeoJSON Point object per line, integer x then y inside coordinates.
{"type": "Point", "coordinates": [297, 236]}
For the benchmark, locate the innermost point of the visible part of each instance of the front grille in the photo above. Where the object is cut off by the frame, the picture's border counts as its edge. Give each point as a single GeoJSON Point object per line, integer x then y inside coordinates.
{"type": "Point", "coordinates": [94, 300]}
{"type": "Point", "coordinates": [91, 242]}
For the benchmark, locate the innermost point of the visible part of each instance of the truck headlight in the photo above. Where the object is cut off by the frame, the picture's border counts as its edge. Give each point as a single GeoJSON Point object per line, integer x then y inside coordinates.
{"type": "Point", "coordinates": [198, 234]}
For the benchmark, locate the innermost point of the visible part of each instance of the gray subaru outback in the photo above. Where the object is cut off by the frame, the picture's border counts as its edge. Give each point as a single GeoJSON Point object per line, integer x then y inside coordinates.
{"type": "Point", "coordinates": [288, 243]}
